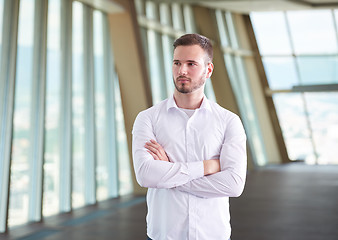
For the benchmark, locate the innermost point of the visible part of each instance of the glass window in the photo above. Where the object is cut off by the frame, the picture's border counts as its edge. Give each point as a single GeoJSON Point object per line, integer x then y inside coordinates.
{"type": "Point", "coordinates": [188, 15]}
{"type": "Point", "coordinates": [222, 29]}
{"type": "Point", "coordinates": [239, 81]}
{"type": "Point", "coordinates": [249, 115]}
{"type": "Point", "coordinates": [155, 58]}
{"type": "Point", "coordinates": [336, 17]}
{"type": "Point", "coordinates": [313, 61]}
{"type": "Point", "coordinates": [139, 5]}
{"type": "Point", "coordinates": [312, 31]}
{"type": "Point", "coordinates": [19, 200]}
{"type": "Point", "coordinates": [318, 69]}
{"type": "Point", "coordinates": [100, 113]}
{"type": "Point", "coordinates": [168, 61]}
{"type": "Point", "coordinates": [271, 32]}
{"type": "Point", "coordinates": [167, 47]}
{"type": "Point", "coordinates": [323, 113]}
{"type": "Point", "coordinates": [281, 72]}
{"type": "Point", "coordinates": [156, 66]}
{"type": "Point", "coordinates": [52, 125]}
{"type": "Point", "coordinates": [78, 189]}
{"type": "Point", "coordinates": [1, 19]}
{"type": "Point", "coordinates": [165, 18]}
{"type": "Point", "coordinates": [177, 16]}
{"type": "Point", "coordinates": [125, 178]}
{"type": "Point", "coordinates": [152, 10]}
{"type": "Point", "coordinates": [296, 133]}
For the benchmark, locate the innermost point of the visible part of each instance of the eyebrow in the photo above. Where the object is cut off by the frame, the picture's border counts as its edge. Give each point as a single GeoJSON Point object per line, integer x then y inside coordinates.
{"type": "Point", "coordinates": [190, 61]}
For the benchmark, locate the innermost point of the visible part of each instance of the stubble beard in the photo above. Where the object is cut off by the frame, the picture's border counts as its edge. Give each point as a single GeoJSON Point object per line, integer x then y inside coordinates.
{"type": "Point", "coordinates": [182, 88]}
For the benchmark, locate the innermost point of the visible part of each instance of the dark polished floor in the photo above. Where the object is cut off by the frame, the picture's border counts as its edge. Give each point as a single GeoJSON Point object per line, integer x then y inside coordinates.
{"type": "Point", "coordinates": [289, 202]}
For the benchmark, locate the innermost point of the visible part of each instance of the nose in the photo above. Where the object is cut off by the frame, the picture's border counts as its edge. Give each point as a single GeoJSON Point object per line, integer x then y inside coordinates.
{"type": "Point", "coordinates": [183, 70]}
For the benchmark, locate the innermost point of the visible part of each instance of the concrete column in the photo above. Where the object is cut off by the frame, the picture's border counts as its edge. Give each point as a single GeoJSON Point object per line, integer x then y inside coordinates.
{"type": "Point", "coordinates": [131, 70]}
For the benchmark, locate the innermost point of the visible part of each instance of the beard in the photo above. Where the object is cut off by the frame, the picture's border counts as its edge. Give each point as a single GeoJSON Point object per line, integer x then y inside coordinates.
{"type": "Point", "coordinates": [185, 88]}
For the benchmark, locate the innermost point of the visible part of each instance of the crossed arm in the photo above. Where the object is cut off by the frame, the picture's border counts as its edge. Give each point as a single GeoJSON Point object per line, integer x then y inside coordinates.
{"type": "Point", "coordinates": [206, 179]}
{"type": "Point", "coordinates": [156, 150]}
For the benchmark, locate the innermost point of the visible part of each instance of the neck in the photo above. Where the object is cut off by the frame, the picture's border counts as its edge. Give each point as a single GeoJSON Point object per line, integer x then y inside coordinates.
{"type": "Point", "coordinates": [189, 100]}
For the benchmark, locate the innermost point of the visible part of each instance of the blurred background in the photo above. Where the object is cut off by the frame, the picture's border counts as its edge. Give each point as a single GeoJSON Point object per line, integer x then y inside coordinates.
{"type": "Point", "coordinates": [74, 75]}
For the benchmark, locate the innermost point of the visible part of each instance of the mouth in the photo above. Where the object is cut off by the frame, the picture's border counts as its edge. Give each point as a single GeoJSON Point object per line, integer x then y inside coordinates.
{"type": "Point", "coordinates": [183, 79]}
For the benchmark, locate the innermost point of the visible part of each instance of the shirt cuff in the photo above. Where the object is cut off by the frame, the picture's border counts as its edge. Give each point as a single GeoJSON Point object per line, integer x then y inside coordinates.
{"type": "Point", "coordinates": [196, 169]}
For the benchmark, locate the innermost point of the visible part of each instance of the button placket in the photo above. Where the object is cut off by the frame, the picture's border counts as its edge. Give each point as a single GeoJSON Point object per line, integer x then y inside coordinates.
{"type": "Point", "coordinates": [192, 204]}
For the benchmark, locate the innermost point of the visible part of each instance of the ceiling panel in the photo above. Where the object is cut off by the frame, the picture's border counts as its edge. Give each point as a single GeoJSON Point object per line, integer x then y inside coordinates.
{"type": "Point", "coordinates": [250, 6]}
{"type": "Point", "coordinates": [246, 6]}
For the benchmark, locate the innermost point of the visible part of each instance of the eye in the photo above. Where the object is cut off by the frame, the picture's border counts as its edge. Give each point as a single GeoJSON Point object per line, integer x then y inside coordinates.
{"type": "Point", "coordinates": [192, 64]}
{"type": "Point", "coordinates": [176, 63]}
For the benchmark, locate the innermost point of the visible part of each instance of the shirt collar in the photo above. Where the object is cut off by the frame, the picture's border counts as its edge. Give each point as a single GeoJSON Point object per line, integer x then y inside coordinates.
{"type": "Point", "coordinates": [172, 104]}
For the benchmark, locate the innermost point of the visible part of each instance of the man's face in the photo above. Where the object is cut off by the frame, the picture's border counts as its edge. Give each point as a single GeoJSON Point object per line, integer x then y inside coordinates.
{"type": "Point", "coordinates": [190, 68]}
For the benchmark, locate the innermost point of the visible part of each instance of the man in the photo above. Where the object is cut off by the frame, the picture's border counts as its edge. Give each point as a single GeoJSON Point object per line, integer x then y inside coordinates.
{"type": "Point", "coordinates": [190, 153]}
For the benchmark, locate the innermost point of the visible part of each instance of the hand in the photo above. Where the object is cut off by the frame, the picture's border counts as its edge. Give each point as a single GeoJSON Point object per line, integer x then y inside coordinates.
{"type": "Point", "coordinates": [211, 166]}
{"type": "Point", "coordinates": [156, 150]}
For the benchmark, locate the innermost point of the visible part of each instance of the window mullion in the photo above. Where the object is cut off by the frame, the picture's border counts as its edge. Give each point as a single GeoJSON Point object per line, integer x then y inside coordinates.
{"type": "Point", "coordinates": [7, 81]}
{"type": "Point", "coordinates": [305, 107]}
{"type": "Point", "coordinates": [166, 48]}
{"type": "Point", "coordinates": [38, 110]}
{"type": "Point", "coordinates": [66, 107]}
{"type": "Point", "coordinates": [109, 78]}
{"type": "Point", "coordinates": [189, 19]}
{"type": "Point", "coordinates": [90, 144]}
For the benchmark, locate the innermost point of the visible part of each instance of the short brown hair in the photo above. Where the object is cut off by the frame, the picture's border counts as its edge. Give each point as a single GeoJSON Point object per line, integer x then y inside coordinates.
{"type": "Point", "coordinates": [195, 39]}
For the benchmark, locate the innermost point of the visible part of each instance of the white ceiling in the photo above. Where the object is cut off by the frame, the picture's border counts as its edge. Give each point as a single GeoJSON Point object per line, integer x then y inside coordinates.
{"type": "Point", "coordinates": [247, 6]}
{"type": "Point", "coordinates": [254, 6]}
{"type": "Point", "coordinates": [108, 6]}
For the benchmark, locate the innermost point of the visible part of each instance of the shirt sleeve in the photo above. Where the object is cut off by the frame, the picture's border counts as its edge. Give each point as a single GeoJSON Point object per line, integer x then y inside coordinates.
{"type": "Point", "coordinates": [153, 173]}
{"type": "Point", "coordinates": [230, 181]}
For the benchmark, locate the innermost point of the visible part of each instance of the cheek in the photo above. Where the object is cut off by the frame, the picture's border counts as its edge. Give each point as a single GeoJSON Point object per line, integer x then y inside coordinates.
{"type": "Point", "coordinates": [201, 73]}
{"type": "Point", "coordinates": [174, 70]}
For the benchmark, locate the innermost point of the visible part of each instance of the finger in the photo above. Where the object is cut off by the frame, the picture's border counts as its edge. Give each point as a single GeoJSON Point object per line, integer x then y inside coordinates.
{"type": "Point", "coordinates": [154, 142]}
{"type": "Point", "coordinates": [151, 144]}
{"type": "Point", "coordinates": [156, 145]}
{"type": "Point", "coordinates": [154, 155]}
{"type": "Point", "coordinates": [152, 149]}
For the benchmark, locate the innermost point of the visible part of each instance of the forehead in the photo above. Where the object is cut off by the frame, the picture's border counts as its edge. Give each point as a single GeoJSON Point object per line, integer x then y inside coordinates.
{"type": "Point", "coordinates": [188, 53]}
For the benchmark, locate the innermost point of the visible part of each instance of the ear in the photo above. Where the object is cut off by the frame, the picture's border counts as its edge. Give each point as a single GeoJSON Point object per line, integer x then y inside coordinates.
{"type": "Point", "coordinates": [210, 68]}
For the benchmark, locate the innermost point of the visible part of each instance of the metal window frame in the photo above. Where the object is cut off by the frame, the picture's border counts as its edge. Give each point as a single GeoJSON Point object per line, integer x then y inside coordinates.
{"type": "Point", "coordinates": [177, 16]}
{"type": "Point", "coordinates": [38, 100]}
{"type": "Point", "coordinates": [7, 84]}
{"type": "Point", "coordinates": [188, 16]}
{"type": "Point", "coordinates": [89, 111]}
{"type": "Point", "coordinates": [156, 65]}
{"type": "Point", "coordinates": [110, 77]}
{"type": "Point", "coordinates": [303, 88]}
{"type": "Point", "coordinates": [38, 105]}
{"type": "Point", "coordinates": [239, 81]}
{"type": "Point", "coordinates": [305, 106]}
{"type": "Point", "coordinates": [166, 48]}
{"type": "Point", "coordinates": [66, 159]}
{"type": "Point", "coordinates": [246, 97]}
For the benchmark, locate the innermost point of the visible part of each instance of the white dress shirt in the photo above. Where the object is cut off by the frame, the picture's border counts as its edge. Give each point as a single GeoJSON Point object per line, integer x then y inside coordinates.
{"type": "Point", "coordinates": [183, 203]}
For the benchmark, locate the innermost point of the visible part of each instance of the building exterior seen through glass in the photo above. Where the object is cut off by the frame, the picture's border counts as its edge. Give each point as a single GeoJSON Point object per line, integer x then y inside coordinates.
{"type": "Point", "coordinates": [299, 48]}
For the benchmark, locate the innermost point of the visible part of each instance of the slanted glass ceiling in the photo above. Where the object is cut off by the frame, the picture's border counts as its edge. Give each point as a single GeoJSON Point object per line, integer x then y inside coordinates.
{"type": "Point", "coordinates": [300, 48]}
